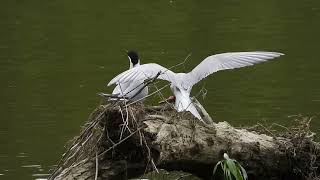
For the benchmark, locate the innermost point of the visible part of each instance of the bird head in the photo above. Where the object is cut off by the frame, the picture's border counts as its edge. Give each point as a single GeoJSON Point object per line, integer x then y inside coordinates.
{"type": "Point", "coordinates": [134, 58]}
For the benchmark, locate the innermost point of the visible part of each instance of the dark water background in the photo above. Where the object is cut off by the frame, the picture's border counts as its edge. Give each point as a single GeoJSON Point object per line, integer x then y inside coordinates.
{"type": "Point", "coordinates": [56, 55]}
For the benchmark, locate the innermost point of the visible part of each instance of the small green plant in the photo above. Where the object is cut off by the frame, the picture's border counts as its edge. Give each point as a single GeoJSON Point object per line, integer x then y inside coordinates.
{"type": "Point", "coordinates": [232, 170]}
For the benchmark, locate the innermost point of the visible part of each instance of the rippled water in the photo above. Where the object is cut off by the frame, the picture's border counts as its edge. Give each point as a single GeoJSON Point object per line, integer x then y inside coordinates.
{"type": "Point", "coordinates": [55, 56]}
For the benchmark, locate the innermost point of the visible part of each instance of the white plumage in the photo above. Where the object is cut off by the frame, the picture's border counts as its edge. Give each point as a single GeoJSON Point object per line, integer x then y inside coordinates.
{"type": "Point", "coordinates": [131, 88]}
{"type": "Point", "coordinates": [181, 83]}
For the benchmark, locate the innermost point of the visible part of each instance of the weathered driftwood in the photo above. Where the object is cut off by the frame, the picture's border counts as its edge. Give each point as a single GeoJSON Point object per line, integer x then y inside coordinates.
{"type": "Point", "coordinates": [120, 142]}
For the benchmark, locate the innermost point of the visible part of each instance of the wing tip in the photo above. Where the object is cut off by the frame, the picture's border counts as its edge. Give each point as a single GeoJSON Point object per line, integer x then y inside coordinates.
{"type": "Point", "coordinates": [111, 83]}
{"type": "Point", "coordinates": [278, 53]}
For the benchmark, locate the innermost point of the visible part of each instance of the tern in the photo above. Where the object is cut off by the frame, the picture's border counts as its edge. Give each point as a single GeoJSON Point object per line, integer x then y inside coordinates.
{"type": "Point", "coordinates": [131, 88]}
{"type": "Point", "coordinates": [182, 83]}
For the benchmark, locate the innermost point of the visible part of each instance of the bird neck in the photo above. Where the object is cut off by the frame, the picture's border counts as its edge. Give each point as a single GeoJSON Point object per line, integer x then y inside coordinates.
{"type": "Point", "coordinates": [134, 65]}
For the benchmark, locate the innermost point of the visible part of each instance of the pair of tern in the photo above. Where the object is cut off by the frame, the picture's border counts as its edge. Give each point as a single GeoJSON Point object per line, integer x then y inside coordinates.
{"type": "Point", "coordinates": [182, 83]}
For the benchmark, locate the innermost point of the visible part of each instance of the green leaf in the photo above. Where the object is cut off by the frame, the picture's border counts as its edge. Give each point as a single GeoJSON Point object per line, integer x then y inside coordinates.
{"type": "Point", "coordinates": [225, 168]}
{"type": "Point", "coordinates": [229, 177]}
{"type": "Point", "coordinates": [243, 172]}
{"type": "Point", "coordinates": [234, 170]}
{"type": "Point", "coordinates": [215, 168]}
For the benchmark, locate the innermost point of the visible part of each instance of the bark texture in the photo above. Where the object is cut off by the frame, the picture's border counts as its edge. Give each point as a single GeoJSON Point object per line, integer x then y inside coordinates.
{"type": "Point", "coordinates": [120, 142]}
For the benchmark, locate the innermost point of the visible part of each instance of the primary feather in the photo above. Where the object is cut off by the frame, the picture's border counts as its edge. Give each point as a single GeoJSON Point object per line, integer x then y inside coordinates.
{"type": "Point", "coordinates": [230, 60]}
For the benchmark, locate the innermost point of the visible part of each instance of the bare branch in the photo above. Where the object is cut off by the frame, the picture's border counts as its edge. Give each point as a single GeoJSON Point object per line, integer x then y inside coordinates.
{"type": "Point", "coordinates": [148, 95]}
{"type": "Point", "coordinates": [97, 167]}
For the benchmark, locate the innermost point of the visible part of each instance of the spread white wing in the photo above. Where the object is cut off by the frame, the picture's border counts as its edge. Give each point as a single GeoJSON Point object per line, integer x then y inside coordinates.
{"type": "Point", "coordinates": [230, 60]}
{"type": "Point", "coordinates": [143, 72]}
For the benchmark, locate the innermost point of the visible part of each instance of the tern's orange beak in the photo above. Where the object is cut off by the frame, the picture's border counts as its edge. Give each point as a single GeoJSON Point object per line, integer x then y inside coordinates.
{"type": "Point", "coordinates": [170, 99]}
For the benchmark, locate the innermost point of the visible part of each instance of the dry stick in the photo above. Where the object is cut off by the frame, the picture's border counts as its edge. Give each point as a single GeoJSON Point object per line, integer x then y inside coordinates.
{"type": "Point", "coordinates": [162, 97]}
{"type": "Point", "coordinates": [266, 129]}
{"type": "Point", "coordinates": [108, 138]}
{"type": "Point", "coordinates": [112, 96]}
{"type": "Point", "coordinates": [152, 80]}
{"type": "Point", "coordinates": [183, 62]}
{"type": "Point", "coordinates": [195, 101]}
{"type": "Point", "coordinates": [92, 125]}
{"type": "Point", "coordinates": [118, 143]}
{"type": "Point", "coordinates": [127, 116]}
{"type": "Point", "coordinates": [97, 166]}
{"type": "Point", "coordinates": [134, 118]}
{"type": "Point", "coordinates": [154, 165]}
{"type": "Point", "coordinates": [276, 124]}
{"type": "Point", "coordinates": [183, 176]}
{"type": "Point", "coordinates": [148, 95]}
{"type": "Point", "coordinates": [100, 137]}
{"type": "Point", "coordinates": [69, 169]}
{"type": "Point", "coordinates": [157, 116]}
{"type": "Point", "coordinates": [78, 150]}
{"type": "Point", "coordinates": [146, 84]}
{"type": "Point", "coordinates": [195, 97]}
{"type": "Point", "coordinates": [159, 73]}
{"type": "Point", "coordinates": [122, 117]}
{"type": "Point", "coordinates": [150, 159]}
{"type": "Point", "coordinates": [149, 154]}
{"type": "Point", "coordinates": [125, 124]}
{"type": "Point", "coordinates": [79, 137]}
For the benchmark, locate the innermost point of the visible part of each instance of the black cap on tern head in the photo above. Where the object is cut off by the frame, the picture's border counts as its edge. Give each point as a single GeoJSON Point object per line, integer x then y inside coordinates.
{"type": "Point", "coordinates": [134, 58]}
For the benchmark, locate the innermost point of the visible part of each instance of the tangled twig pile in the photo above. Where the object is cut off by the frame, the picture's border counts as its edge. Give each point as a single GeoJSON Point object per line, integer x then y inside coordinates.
{"type": "Point", "coordinates": [120, 142]}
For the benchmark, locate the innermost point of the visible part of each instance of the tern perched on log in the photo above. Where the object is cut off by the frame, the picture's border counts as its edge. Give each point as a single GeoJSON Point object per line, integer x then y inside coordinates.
{"type": "Point", "coordinates": [130, 89]}
{"type": "Point", "coordinates": [181, 83]}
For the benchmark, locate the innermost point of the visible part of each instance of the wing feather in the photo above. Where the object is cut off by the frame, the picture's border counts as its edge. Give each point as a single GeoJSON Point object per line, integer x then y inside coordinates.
{"type": "Point", "coordinates": [142, 73]}
{"type": "Point", "coordinates": [230, 60]}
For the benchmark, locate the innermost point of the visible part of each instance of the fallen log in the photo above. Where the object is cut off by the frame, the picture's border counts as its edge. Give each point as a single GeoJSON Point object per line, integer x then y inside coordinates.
{"type": "Point", "coordinates": [121, 142]}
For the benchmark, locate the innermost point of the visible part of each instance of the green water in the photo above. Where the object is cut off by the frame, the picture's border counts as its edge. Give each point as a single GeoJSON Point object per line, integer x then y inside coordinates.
{"type": "Point", "coordinates": [56, 55]}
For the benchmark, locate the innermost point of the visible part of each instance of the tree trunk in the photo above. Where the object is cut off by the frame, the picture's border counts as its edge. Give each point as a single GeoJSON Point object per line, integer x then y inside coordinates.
{"type": "Point", "coordinates": [120, 142]}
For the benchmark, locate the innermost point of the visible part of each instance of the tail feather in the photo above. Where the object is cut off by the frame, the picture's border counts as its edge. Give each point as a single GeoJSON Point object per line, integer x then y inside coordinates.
{"type": "Point", "coordinates": [191, 108]}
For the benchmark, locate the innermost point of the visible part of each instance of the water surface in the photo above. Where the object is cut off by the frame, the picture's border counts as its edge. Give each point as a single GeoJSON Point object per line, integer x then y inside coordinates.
{"type": "Point", "coordinates": [55, 56]}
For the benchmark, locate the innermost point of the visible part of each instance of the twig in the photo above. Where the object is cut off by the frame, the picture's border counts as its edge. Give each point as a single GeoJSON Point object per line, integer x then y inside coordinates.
{"type": "Point", "coordinates": [182, 63]}
{"type": "Point", "coordinates": [146, 84]}
{"type": "Point", "coordinates": [108, 138]}
{"type": "Point", "coordinates": [162, 97]}
{"type": "Point", "coordinates": [154, 165]}
{"type": "Point", "coordinates": [157, 108]}
{"type": "Point", "coordinates": [125, 122]}
{"type": "Point", "coordinates": [118, 143]}
{"type": "Point", "coordinates": [266, 129]}
{"type": "Point", "coordinates": [112, 96]}
{"type": "Point", "coordinates": [97, 166]}
{"type": "Point", "coordinates": [159, 73]}
{"type": "Point", "coordinates": [183, 176]}
{"type": "Point", "coordinates": [77, 141]}
{"type": "Point", "coordinates": [281, 126]}
{"type": "Point", "coordinates": [148, 95]}
{"type": "Point", "coordinates": [156, 116]}
{"type": "Point", "coordinates": [149, 154]}
{"type": "Point", "coordinates": [136, 123]}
